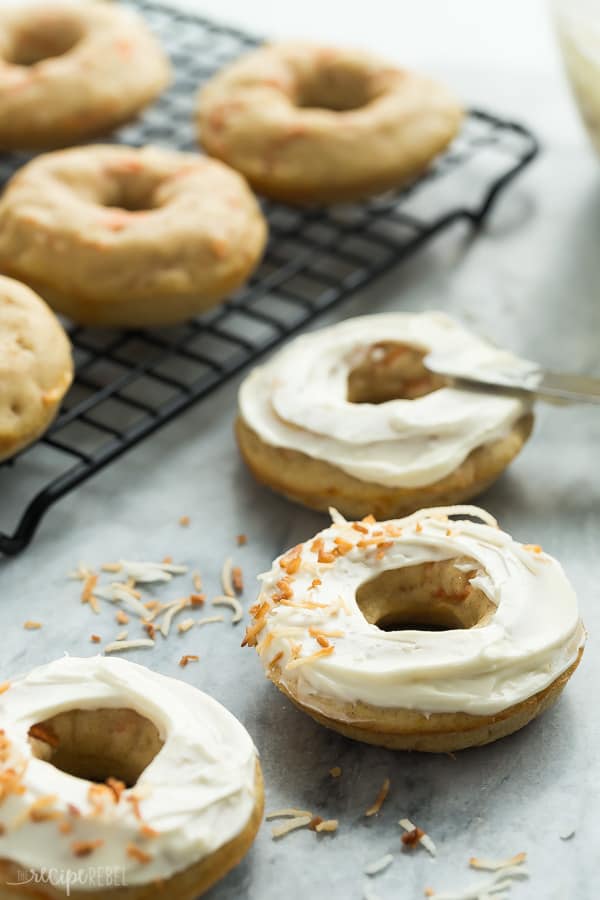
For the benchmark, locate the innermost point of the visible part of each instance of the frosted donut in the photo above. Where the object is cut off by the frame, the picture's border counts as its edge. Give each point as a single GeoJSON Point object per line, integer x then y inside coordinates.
{"type": "Point", "coordinates": [306, 123]}
{"type": "Point", "coordinates": [350, 416]}
{"type": "Point", "coordinates": [107, 767]}
{"type": "Point", "coordinates": [69, 71]}
{"type": "Point", "coordinates": [118, 236]}
{"type": "Point", "coordinates": [36, 368]}
{"type": "Point", "coordinates": [422, 633]}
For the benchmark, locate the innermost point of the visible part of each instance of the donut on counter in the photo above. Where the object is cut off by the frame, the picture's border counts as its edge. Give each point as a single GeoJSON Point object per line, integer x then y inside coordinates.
{"type": "Point", "coordinates": [108, 766]}
{"type": "Point", "coordinates": [121, 236]}
{"type": "Point", "coordinates": [350, 416]}
{"type": "Point", "coordinates": [70, 71]}
{"type": "Point", "coordinates": [423, 633]}
{"type": "Point", "coordinates": [36, 367]}
{"type": "Point", "coordinates": [313, 124]}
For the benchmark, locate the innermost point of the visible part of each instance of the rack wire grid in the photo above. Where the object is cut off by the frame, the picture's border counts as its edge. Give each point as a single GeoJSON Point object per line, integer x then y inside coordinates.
{"type": "Point", "coordinates": [130, 383]}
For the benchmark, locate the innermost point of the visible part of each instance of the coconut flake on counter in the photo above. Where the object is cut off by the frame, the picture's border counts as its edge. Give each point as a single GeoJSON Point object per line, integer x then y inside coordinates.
{"type": "Point", "coordinates": [208, 620]}
{"type": "Point", "coordinates": [138, 644]}
{"type": "Point", "coordinates": [380, 799]}
{"type": "Point", "coordinates": [494, 865]}
{"type": "Point", "coordinates": [233, 603]}
{"type": "Point", "coordinates": [499, 882]}
{"type": "Point", "coordinates": [420, 836]}
{"type": "Point", "coordinates": [379, 865]}
{"type": "Point", "coordinates": [226, 577]}
{"type": "Point", "coordinates": [291, 825]}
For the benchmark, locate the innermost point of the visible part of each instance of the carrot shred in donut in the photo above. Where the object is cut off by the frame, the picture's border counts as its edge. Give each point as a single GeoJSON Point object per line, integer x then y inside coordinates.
{"type": "Point", "coordinates": [322, 641]}
{"type": "Point", "coordinates": [147, 831]}
{"type": "Point", "coordinates": [316, 545]}
{"type": "Point", "coordinates": [303, 604]}
{"type": "Point", "coordinates": [343, 546]}
{"type": "Point", "coordinates": [97, 794]}
{"type": "Point", "coordinates": [135, 804]}
{"type": "Point", "coordinates": [285, 588]}
{"type": "Point", "coordinates": [85, 848]}
{"type": "Point", "coordinates": [315, 583]}
{"type": "Point", "coordinates": [361, 528]}
{"type": "Point", "coordinates": [392, 530]}
{"type": "Point", "coordinates": [326, 556]}
{"type": "Point", "coordinates": [135, 852]}
{"type": "Point", "coordinates": [301, 661]}
{"type": "Point", "coordinates": [65, 827]}
{"type": "Point", "coordinates": [320, 632]}
{"type": "Point", "coordinates": [380, 799]}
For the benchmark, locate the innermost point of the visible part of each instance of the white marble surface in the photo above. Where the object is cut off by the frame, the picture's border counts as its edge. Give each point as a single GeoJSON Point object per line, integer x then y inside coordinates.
{"type": "Point", "coordinates": [530, 281]}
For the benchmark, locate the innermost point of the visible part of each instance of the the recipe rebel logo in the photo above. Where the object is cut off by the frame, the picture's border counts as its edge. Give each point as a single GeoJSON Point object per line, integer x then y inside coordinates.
{"type": "Point", "coordinates": [68, 879]}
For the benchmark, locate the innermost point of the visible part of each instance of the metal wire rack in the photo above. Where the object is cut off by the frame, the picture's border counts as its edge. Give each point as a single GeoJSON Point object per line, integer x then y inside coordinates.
{"type": "Point", "coordinates": [129, 384]}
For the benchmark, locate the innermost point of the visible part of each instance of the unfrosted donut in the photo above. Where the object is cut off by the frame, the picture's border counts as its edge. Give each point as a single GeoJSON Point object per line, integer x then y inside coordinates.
{"type": "Point", "coordinates": [108, 767]}
{"type": "Point", "coordinates": [307, 123]}
{"type": "Point", "coordinates": [423, 633]}
{"type": "Point", "coordinates": [350, 416]}
{"type": "Point", "coordinates": [69, 71]}
{"type": "Point", "coordinates": [113, 235]}
{"type": "Point", "coordinates": [36, 368]}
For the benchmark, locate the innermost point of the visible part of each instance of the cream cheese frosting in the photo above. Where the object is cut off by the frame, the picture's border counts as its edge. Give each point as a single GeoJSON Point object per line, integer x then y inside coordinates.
{"type": "Point", "coordinates": [298, 400]}
{"type": "Point", "coordinates": [532, 637]}
{"type": "Point", "coordinates": [196, 794]}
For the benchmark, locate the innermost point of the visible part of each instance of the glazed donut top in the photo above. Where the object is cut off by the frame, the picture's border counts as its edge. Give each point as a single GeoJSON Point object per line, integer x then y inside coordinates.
{"type": "Point", "coordinates": [299, 400]}
{"type": "Point", "coordinates": [309, 625]}
{"type": "Point", "coordinates": [195, 795]}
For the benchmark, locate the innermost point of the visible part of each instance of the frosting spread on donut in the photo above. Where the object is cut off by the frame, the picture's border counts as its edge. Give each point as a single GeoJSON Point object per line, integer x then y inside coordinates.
{"type": "Point", "coordinates": [298, 400]}
{"type": "Point", "coordinates": [194, 796]}
{"type": "Point", "coordinates": [310, 630]}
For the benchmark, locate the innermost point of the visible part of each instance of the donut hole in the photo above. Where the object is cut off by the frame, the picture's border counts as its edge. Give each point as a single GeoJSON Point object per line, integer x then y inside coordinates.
{"type": "Point", "coordinates": [43, 39]}
{"type": "Point", "coordinates": [433, 596]}
{"type": "Point", "coordinates": [391, 371]}
{"type": "Point", "coordinates": [335, 84]}
{"type": "Point", "coordinates": [97, 744]}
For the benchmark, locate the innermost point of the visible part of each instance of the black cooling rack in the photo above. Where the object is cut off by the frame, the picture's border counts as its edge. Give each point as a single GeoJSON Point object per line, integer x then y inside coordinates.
{"type": "Point", "coordinates": [129, 384]}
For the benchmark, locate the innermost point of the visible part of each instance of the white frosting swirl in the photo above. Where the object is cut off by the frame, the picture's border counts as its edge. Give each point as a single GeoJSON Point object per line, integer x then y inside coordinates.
{"type": "Point", "coordinates": [532, 637]}
{"type": "Point", "coordinates": [197, 793]}
{"type": "Point", "coordinates": [298, 400]}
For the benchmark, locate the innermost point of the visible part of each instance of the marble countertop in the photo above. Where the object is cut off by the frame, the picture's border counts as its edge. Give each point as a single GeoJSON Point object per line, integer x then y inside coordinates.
{"type": "Point", "coordinates": [530, 280]}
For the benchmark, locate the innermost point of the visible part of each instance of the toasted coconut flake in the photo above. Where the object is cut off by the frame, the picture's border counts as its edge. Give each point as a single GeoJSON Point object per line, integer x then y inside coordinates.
{"type": "Point", "coordinates": [336, 517]}
{"type": "Point", "coordinates": [185, 625]}
{"type": "Point", "coordinates": [327, 825]}
{"type": "Point", "coordinates": [226, 577]}
{"type": "Point", "coordinates": [85, 848]}
{"type": "Point", "coordinates": [95, 639]}
{"type": "Point", "coordinates": [237, 579]}
{"type": "Point", "coordinates": [4, 686]}
{"type": "Point", "coordinates": [303, 660]}
{"type": "Point", "coordinates": [80, 573]}
{"type": "Point", "coordinates": [146, 831]}
{"type": "Point", "coordinates": [276, 659]}
{"type": "Point", "coordinates": [233, 603]}
{"type": "Point", "coordinates": [119, 646]}
{"type": "Point", "coordinates": [241, 540]}
{"type": "Point", "coordinates": [184, 521]}
{"type": "Point", "coordinates": [500, 881]}
{"type": "Point", "coordinates": [494, 865]}
{"type": "Point", "coordinates": [197, 581]}
{"type": "Point", "coordinates": [321, 632]}
{"type": "Point", "coordinates": [380, 799]}
{"type": "Point", "coordinates": [122, 618]}
{"type": "Point", "coordinates": [123, 594]}
{"type": "Point", "coordinates": [208, 620]}
{"type": "Point", "coordinates": [335, 771]}
{"type": "Point", "coordinates": [136, 853]}
{"type": "Point", "coordinates": [197, 599]}
{"type": "Point", "coordinates": [292, 825]}
{"type": "Point", "coordinates": [165, 625]}
{"type": "Point", "coordinates": [87, 593]}
{"type": "Point", "coordinates": [114, 568]}
{"type": "Point", "coordinates": [379, 865]}
{"type": "Point", "coordinates": [31, 626]}
{"type": "Point", "coordinates": [417, 835]}
{"type": "Point", "coordinates": [122, 635]}
{"type": "Point", "coordinates": [287, 812]}
{"type": "Point", "coordinates": [188, 658]}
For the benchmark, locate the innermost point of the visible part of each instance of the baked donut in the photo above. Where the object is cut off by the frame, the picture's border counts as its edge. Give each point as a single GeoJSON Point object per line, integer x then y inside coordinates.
{"type": "Point", "coordinates": [313, 124]}
{"type": "Point", "coordinates": [350, 416]}
{"type": "Point", "coordinates": [113, 235]}
{"type": "Point", "coordinates": [69, 71]}
{"type": "Point", "coordinates": [110, 770]}
{"type": "Point", "coordinates": [423, 633]}
{"type": "Point", "coordinates": [36, 368]}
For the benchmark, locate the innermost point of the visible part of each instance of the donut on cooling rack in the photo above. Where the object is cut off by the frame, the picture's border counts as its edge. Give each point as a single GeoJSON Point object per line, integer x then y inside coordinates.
{"type": "Point", "coordinates": [69, 71]}
{"type": "Point", "coordinates": [423, 633]}
{"type": "Point", "coordinates": [107, 766]}
{"type": "Point", "coordinates": [118, 236]}
{"type": "Point", "coordinates": [313, 124]}
{"type": "Point", "coordinates": [36, 368]}
{"type": "Point", "coordinates": [351, 416]}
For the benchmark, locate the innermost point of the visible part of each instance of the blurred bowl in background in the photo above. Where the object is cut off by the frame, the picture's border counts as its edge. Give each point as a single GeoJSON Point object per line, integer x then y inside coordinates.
{"type": "Point", "coordinates": [577, 25]}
